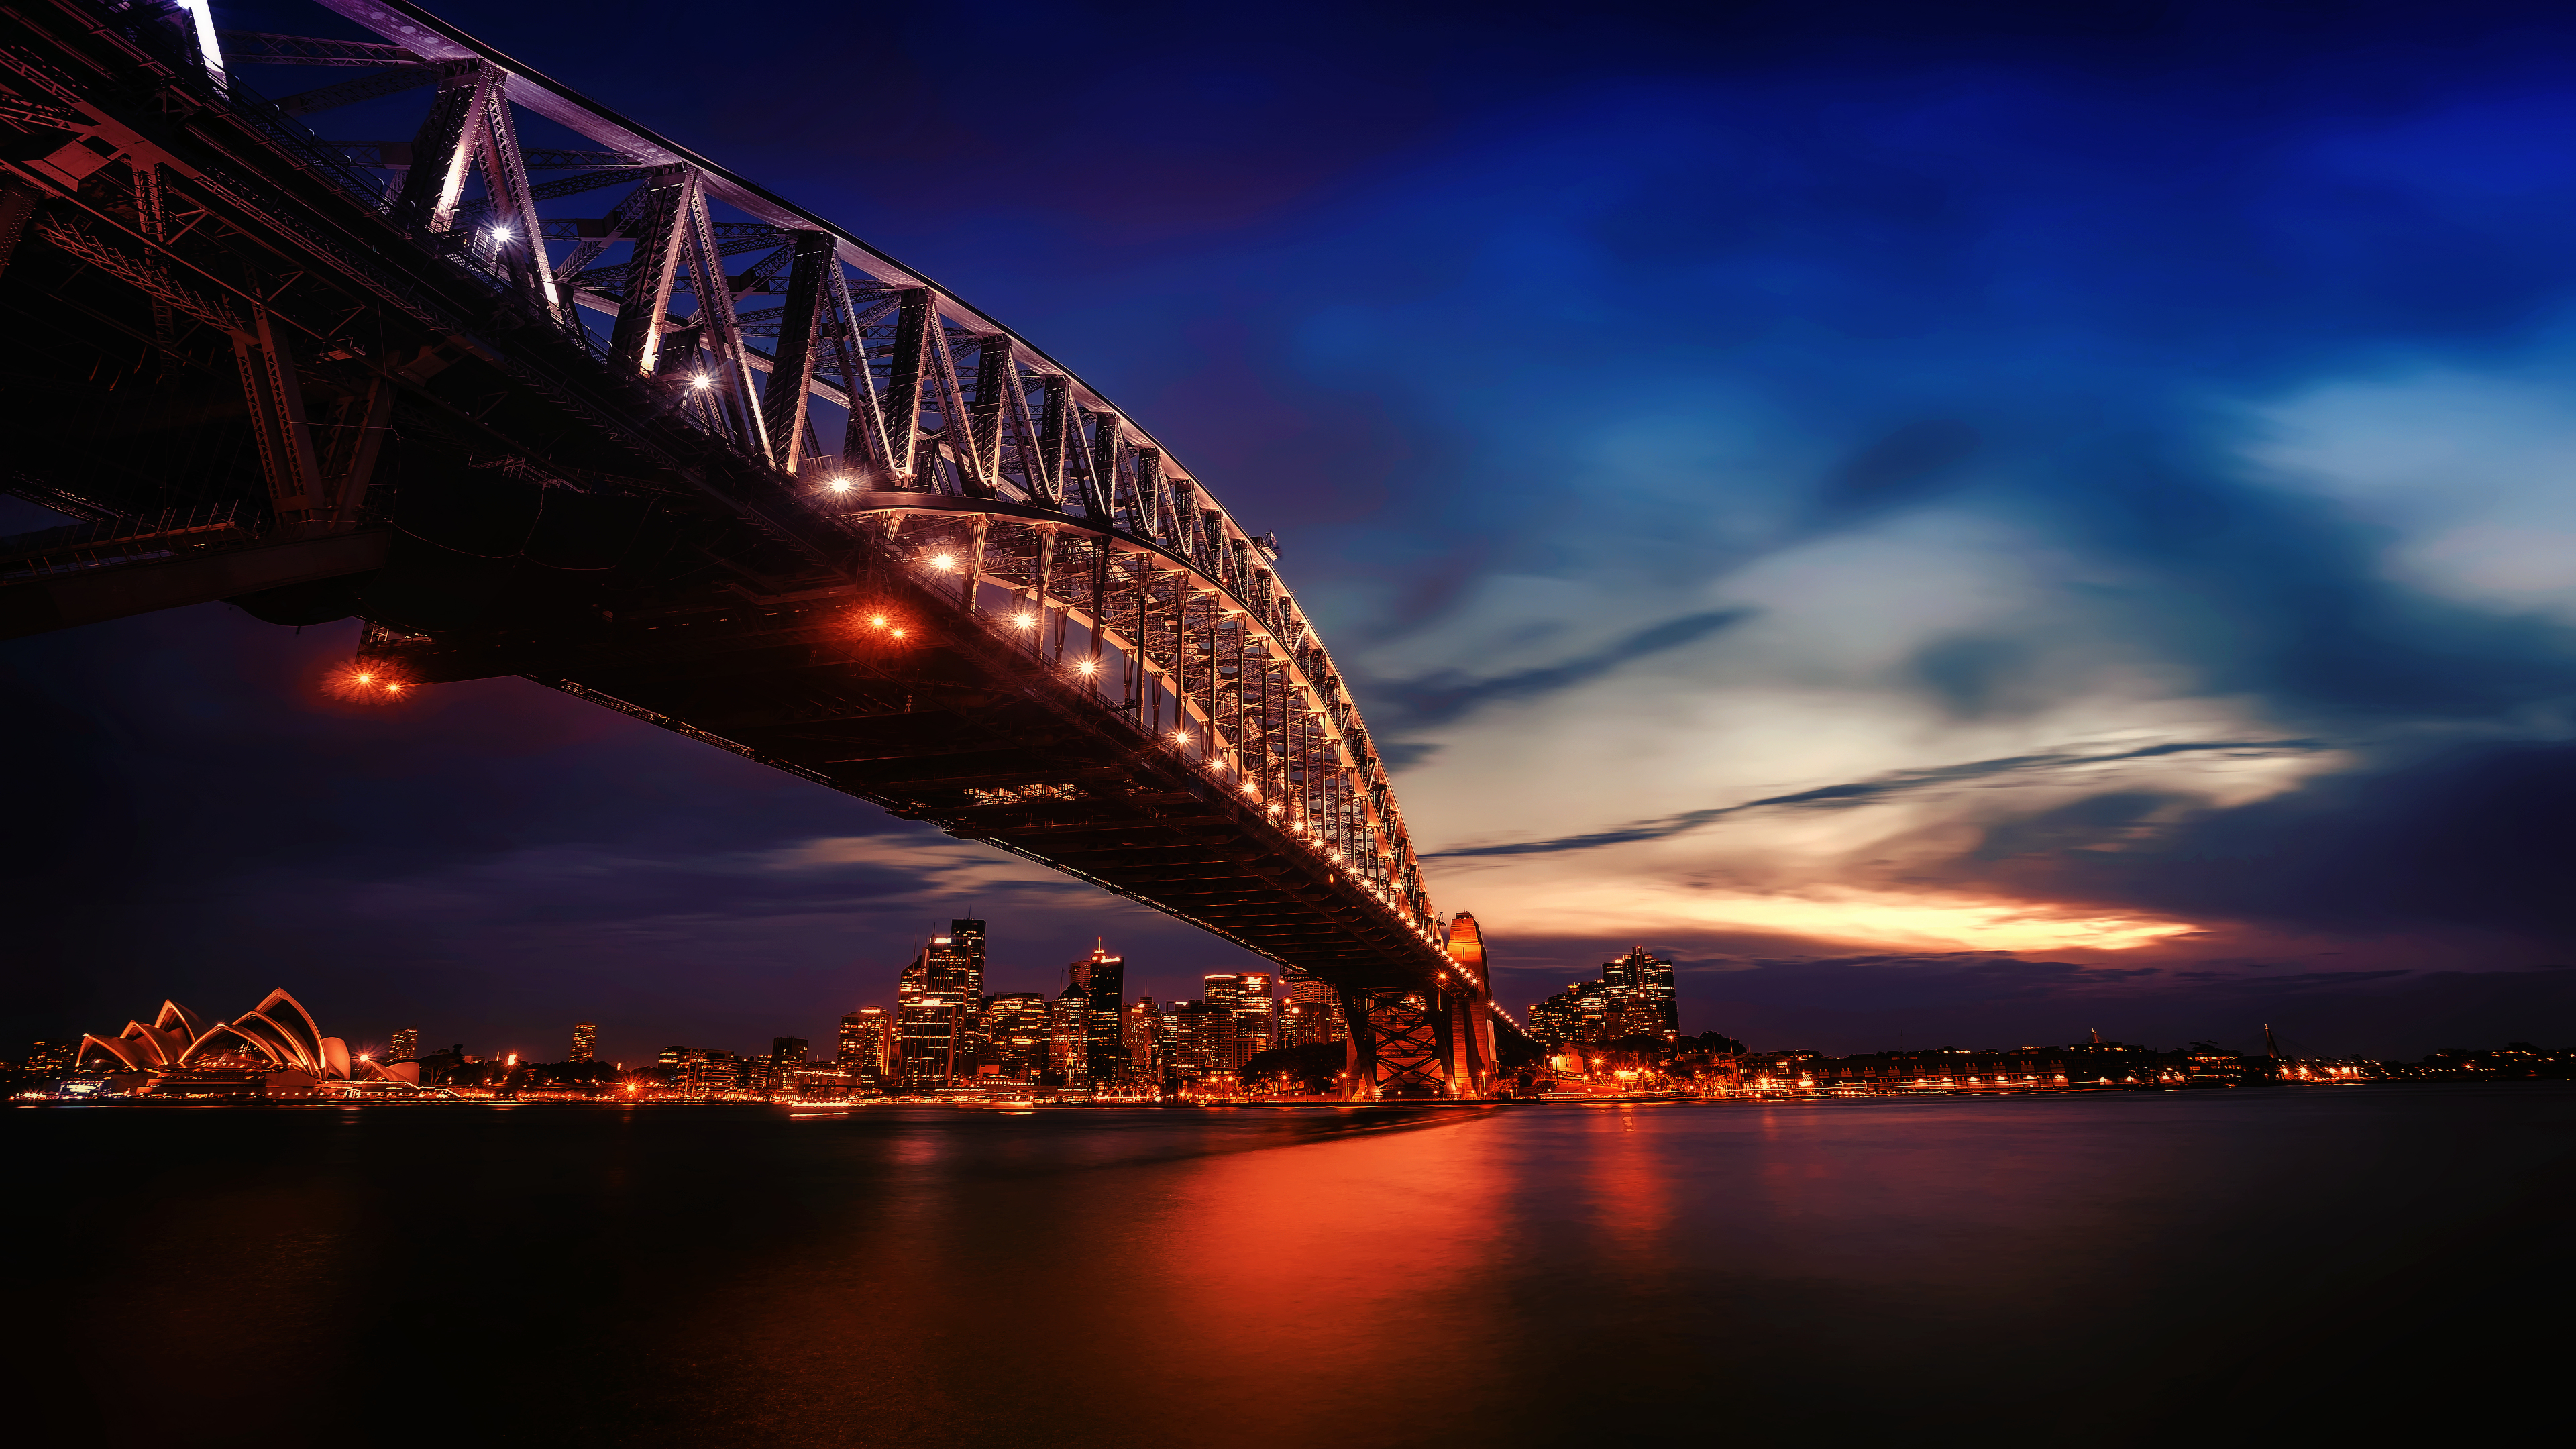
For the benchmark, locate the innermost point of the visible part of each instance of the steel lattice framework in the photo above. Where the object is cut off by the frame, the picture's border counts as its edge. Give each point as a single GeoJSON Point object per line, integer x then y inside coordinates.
{"type": "Point", "coordinates": [806, 505]}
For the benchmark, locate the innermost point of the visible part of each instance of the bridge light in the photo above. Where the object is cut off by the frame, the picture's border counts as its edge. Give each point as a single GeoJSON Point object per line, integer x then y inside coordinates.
{"type": "Point", "coordinates": [394, 688]}
{"type": "Point", "coordinates": [1273, 809]}
{"type": "Point", "coordinates": [877, 620]}
{"type": "Point", "coordinates": [702, 382]}
{"type": "Point", "coordinates": [1024, 621]}
{"type": "Point", "coordinates": [839, 485]}
{"type": "Point", "coordinates": [898, 633]}
{"type": "Point", "coordinates": [501, 232]}
{"type": "Point", "coordinates": [1181, 735]}
{"type": "Point", "coordinates": [944, 562]}
{"type": "Point", "coordinates": [366, 679]}
{"type": "Point", "coordinates": [1088, 666]}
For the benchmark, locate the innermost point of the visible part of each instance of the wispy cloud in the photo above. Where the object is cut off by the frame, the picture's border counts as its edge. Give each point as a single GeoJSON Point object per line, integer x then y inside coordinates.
{"type": "Point", "coordinates": [1441, 698]}
{"type": "Point", "coordinates": [1876, 789]}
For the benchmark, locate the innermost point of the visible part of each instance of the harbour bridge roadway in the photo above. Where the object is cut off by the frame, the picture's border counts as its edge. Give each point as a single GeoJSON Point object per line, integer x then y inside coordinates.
{"type": "Point", "coordinates": [533, 391]}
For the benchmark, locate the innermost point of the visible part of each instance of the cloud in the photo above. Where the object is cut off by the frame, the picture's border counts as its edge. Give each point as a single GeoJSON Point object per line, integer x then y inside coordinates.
{"type": "Point", "coordinates": [1450, 695]}
{"type": "Point", "coordinates": [1875, 790]}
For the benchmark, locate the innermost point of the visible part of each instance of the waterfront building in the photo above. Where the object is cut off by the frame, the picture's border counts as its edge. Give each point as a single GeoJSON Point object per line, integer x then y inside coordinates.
{"type": "Point", "coordinates": [1633, 997]}
{"type": "Point", "coordinates": [585, 1041]}
{"type": "Point", "coordinates": [406, 1045]}
{"type": "Point", "coordinates": [1139, 1036]}
{"type": "Point", "coordinates": [1256, 1016]}
{"type": "Point", "coordinates": [940, 1015]}
{"type": "Point", "coordinates": [711, 1071]}
{"type": "Point", "coordinates": [1217, 1028]}
{"type": "Point", "coordinates": [1104, 986]}
{"type": "Point", "coordinates": [274, 1049]}
{"type": "Point", "coordinates": [787, 1056]}
{"type": "Point", "coordinates": [1312, 1015]}
{"type": "Point", "coordinates": [1198, 1048]}
{"type": "Point", "coordinates": [867, 1045]}
{"type": "Point", "coordinates": [1069, 1033]}
{"type": "Point", "coordinates": [1167, 1037]}
{"type": "Point", "coordinates": [1021, 1043]}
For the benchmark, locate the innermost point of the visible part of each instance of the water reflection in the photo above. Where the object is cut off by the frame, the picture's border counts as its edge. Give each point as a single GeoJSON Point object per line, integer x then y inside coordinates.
{"type": "Point", "coordinates": [1539, 1276]}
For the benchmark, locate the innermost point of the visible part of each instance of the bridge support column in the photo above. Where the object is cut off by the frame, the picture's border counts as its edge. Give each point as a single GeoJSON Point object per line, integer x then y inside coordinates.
{"type": "Point", "coordinates": [1396, 1047]}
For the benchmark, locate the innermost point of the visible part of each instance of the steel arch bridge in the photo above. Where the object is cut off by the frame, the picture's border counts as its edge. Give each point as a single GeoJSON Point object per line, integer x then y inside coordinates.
{"type": "Point", "coordinates": [513, 405]}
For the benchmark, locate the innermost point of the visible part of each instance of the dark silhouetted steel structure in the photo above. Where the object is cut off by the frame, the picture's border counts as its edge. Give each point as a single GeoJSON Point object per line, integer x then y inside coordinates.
{"type": "Point", "coordinates": [816, 511]}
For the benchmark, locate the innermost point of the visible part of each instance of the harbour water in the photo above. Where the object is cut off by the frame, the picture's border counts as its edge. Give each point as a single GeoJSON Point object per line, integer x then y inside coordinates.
{"type": "Point", "coordinates": [2123, 1269]}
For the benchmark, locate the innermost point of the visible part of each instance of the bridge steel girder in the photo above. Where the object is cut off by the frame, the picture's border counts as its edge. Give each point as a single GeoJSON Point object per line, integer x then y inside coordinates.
{"type": "Point", "coordinates": [1099, 666]}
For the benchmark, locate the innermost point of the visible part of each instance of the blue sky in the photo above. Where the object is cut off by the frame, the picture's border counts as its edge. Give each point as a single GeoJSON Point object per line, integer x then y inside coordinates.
{"type": "Point", "coordinates": [1971, 521]}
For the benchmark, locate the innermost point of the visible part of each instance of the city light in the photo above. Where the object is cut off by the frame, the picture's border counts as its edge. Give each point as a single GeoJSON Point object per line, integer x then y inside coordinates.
{"type": "Point", "coordinates": [898, 633]}
{"type": "Point", "coordinates": [501, 233]}
{"type": "Point", "coordinates": [945, 562]}
{"type": "Point", "coordinates": [878, 620]}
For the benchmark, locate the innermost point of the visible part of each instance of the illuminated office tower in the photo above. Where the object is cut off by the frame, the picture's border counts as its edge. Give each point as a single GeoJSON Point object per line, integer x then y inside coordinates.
{"type": "Point", "coordinates": [939, 1018]}
{"type": "Point", "coordinates": [1256, 1016]}
{"type": "Point", "coordinates": [585, 1041]}
{"type": "Point", "coordinates": [406, 1045]}
{"type": "Point", "coordinates": [787, 1058]}
{"type": "Point", "coordinates": [1139, 1030]}
{"type": "Point", "coordinates": [1553, 1022]}
{"type": "Point", "coordinates": [1313, 1012]}
{"type": "Point", "coordinates": [1069, 1032]}
{"type": "Point", "coordinates": [1171, 1038]}
{"type": "Point", "coordinates": [1104, 986]}
{"type": "Point", "coordinates": [1639, 988]}
{"type": "Point", "coordinates": [1020, 1038]}
{"type": "Point", "coordinates": [867, 1043]}
{"type": "Point", "coordinates": [1216, 1021]}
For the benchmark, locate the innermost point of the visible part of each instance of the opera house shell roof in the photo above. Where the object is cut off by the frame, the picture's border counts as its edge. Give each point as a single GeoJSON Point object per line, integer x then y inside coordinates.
{"type": "Point", "coordinates": [273, 1048]}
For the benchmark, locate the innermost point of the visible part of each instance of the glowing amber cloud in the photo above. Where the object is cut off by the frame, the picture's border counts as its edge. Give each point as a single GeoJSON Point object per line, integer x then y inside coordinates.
{"type": "Point", "coordinates": [1856, 917]}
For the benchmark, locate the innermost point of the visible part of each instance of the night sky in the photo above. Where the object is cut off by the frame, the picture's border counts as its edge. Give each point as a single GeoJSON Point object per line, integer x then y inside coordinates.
{"type": "Point", "coordinates": [1960, 524]}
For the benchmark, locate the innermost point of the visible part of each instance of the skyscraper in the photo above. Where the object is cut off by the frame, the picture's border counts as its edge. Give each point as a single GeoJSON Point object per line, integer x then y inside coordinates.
{"type": "Point", "coordinates": [1020, 1039]}
{"type": "Point", "coordinates": [1256, 1016]}
{"type": "Point", "coordinates": [585, 1041]}
{"type": "Point", "coordinates": [1104, 985]}
{"type": "Point", "coordinates": [867, 1043]}
{"type": "Point", "coordinates": [406, 1045]}
{"type": "Point", "coordinates": [1313, 1013]}
{"type": "Point", "coordinates": [1139, 1029]}
{"type": "Point", "coordinates": [942, 1007]}
{"type": "Point", "coordinates": [1634, 997]}
{"type": "Point", "coordinates": [1069, 1032]}
{"type": "Point", "coordinates": [788, 1054]}
{"type": "Point", "coordinates": [1217, 991]}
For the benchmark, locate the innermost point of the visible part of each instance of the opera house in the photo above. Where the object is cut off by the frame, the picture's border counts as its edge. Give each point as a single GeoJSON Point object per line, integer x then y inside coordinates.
{"type": "Point", "coordinates": [271, 1050]}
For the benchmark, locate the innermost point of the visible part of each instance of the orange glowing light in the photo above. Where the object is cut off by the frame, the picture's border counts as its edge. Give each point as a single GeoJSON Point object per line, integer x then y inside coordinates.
{"type": "Point", "coordinates": [878, 620]}
{"type": "Point", "coordinates": [898, 633]}
{"type": "Point", "coordinates": [366, 679]}
{"type": "Point", "coordinates": [1089, 666]}
{"type": "Point", "coordinates": [1024, 621]}
{"type": "Point", "coordinates": [944, 562]}
{"type": "Point", "coordinates": [839, 485]}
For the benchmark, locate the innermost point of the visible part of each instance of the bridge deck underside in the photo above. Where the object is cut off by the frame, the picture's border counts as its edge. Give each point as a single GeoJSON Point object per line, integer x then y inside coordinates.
{"type": "Point", "coordinates": [949, 726]}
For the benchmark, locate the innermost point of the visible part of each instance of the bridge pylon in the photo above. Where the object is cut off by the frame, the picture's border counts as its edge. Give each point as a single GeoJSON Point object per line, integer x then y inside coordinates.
{"type": "Point", "coordinates": [1413, 1043]}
